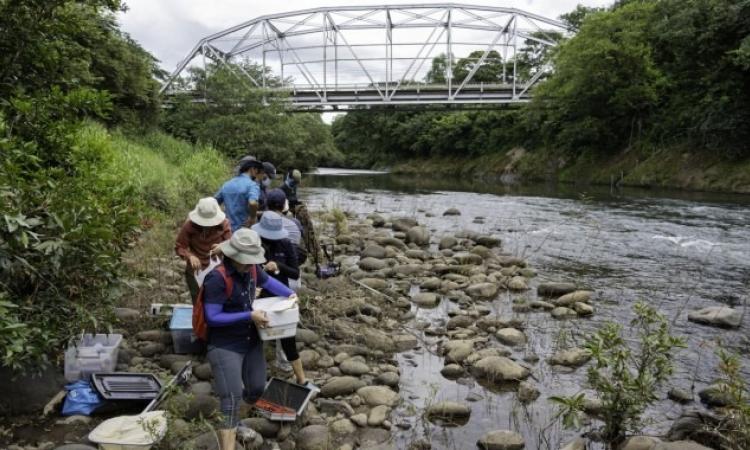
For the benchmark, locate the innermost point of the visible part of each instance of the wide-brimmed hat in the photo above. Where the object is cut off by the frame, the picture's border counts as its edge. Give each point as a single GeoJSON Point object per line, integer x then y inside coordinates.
{"type": "Point", "coordinates": [297, 175]}
{"type": "Point", "coordinates": [207, 213]}
{"type": "Point", "coordinates": [271, 226]}
{"type": "Point", "coordinates": [244, 247]}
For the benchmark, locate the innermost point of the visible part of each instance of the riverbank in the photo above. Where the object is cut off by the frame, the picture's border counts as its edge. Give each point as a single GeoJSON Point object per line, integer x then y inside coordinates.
{"type": "Point", "coordinates": [670, 168]}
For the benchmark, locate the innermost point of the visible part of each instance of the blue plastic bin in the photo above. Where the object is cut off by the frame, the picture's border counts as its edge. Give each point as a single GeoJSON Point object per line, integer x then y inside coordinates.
{"type": "Point", "coordinates": [181, 327]}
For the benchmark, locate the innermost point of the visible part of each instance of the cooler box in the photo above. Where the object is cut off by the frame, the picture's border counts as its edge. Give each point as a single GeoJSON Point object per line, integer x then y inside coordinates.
{"type": "Point", "coordinates": [92, 353]}
{"type": "Point", "coordinates": [283, 316]}
{"type": "Point", "coordinates": [181, 326]}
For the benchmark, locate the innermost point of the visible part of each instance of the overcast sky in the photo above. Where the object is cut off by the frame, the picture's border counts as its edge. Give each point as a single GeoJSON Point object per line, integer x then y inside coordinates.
{"type": "Point", "coordinates": [170, 28]}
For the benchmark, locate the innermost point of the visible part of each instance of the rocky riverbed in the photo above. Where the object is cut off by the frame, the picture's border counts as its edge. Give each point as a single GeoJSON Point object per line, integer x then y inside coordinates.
{"type": "Point", "coordinates": [405, 296]}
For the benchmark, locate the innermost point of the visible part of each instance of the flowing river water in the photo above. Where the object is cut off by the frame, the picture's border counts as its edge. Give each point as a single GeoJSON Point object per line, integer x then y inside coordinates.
{"type": "Point", "coordinates": [677, 251]}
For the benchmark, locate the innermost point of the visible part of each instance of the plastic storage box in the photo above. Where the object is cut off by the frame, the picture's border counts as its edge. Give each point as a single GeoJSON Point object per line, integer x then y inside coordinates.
{"type": "Point", "coordinates": [181, 326]}
{"type": "Point", "coordinates": [92, 353]}
{"type": "Point", "coordinates": [283, 316]}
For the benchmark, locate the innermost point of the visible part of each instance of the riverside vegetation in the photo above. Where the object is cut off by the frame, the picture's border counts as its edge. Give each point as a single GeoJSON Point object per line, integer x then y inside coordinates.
{"type": "Point", "coordinates": [646, 93]}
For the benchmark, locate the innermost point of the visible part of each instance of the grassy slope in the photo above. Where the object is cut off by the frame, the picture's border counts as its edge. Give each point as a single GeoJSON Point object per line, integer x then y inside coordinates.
{"type": "Point", "coordinates": [672, 168]}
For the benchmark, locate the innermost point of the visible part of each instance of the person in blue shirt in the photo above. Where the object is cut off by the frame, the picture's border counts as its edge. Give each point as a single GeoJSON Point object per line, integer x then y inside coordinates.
{"type": "Point", "coordinates": [240, 195]}
{"type": "Point", "coordinates": [235, 351]}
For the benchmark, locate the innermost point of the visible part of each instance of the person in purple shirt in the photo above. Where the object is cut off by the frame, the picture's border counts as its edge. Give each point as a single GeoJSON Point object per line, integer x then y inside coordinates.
{"type": "Point", "coordinates": [235, 350]}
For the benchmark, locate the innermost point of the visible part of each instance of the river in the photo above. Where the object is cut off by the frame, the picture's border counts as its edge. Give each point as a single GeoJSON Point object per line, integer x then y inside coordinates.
{"type": "Point", "coordinates": [677, 251]}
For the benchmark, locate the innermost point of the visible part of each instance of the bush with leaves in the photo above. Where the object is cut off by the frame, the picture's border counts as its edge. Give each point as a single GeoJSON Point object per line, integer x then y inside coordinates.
{"type": "Point", "coordinates": [626, 376]}
{"type": "Point", "coordinates": [734, 427]}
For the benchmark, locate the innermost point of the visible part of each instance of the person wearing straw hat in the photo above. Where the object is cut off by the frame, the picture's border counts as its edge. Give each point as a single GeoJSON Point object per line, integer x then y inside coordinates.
{"type": "Point", "coordinates": [205, 228]}
{"type": "Point", "coordinates": [235, 350]}
{"type": "Point", "coordinates": [282, 264]}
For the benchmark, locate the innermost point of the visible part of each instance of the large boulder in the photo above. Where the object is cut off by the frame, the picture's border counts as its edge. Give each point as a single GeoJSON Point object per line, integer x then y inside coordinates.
{"type": "Point", "coordinates": [640, 443]}
{"type": "Point", "coordinates": [468, 258]}
{"type": "Point", "coordinates": [418, 235]}
{"type": "Point", "coordinates": [372, 264]}
{"type": "Point", "coordinates": [482, 290]}
{"type": "Point", "coordinates": [501, 440]}
{"type": "Point", "coordinates": [378, 395]}
{"type": "Point", "coordinates": [511, 336]}
{"type": "Point", "coordinates": [448, 411]}
{"type": "Point", "coordinates": [719, 316]}
{"type": "Point", "coordinates": [344, 385]}
{"type": "Point", "coordinates": [518, 283]}
{"type": "Point", "coordinates": [574, 357]}
{"type": "Point", "coordinates": [680, 445]}
{"type": "Point", "coordinates": [314, 437]}
{"type": "Point", "coordinates": [499, 368]}
{"type": "Point", "coordinates": [374, 251]}
{"type": "Point", "coordinates": [404, 224]}
{"type": "Point", "coordinates": [354, 367]}
{"type": "Point", "coordinates": [555, 289]}
{"type": "Point", "coordinates": [427, 299]}
{"type": "Point", "coordinates": [458, 350]}
{"type": "Point", "coordinates": [562, 312]}
{"type": "Point", "coordinates": [447, 242]}
{"type": "Point", "coordinates": [573, 297]}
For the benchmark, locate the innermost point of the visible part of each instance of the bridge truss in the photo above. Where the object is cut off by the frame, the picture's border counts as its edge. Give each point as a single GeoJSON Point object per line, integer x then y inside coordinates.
{"type": "Point", "coordinates": [339, 57]}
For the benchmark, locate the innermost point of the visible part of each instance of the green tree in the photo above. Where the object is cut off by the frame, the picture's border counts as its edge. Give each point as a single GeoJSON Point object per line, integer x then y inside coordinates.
{"type": "Point", "coordinates": [489, 71]}
{"type": "Point", "coordinates": [606, 83]}
{"type": "Point", "coordinates": [222, 108]}
{"type": "Point", "coordinates": [438, 70]}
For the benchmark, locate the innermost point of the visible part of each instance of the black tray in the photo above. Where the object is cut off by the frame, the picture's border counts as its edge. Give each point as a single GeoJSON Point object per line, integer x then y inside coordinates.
{"type": "Point", "coordinates": [126, 386]}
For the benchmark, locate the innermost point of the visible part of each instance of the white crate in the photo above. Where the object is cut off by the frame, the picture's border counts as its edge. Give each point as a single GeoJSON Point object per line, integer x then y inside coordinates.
{"type": "Point", "coordinates": [282, 319]}
{"type": "Point", "coordinates": [92, 353]}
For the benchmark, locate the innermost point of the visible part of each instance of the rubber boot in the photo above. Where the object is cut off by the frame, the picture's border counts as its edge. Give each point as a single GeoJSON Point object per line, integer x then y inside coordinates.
{"type": "Point", "coordinates": [299, 372]}
{"type": "Point", "coordinates": [228, 438]}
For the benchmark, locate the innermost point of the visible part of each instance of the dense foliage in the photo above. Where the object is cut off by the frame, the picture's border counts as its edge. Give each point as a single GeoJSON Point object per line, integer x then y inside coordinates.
{"type": "Point", "coordinates": [641, 74]}
{"type": "Point", "coordinates": [72, 196]}
{"type": "Point", "coordinates": [221, 110]}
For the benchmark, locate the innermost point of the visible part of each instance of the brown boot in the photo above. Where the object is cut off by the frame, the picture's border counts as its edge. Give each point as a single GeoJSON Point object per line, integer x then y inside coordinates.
{"type": "Point", "coordinates": [227, 438]}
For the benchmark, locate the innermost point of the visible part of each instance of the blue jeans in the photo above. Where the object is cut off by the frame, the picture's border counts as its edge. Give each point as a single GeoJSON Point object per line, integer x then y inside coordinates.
{"type": "Point", "coordinates": [239, 374]}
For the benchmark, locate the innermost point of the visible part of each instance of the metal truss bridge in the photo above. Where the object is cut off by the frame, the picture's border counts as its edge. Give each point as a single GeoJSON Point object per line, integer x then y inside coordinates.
{"type": "Point", "coordinates": [342, 57]}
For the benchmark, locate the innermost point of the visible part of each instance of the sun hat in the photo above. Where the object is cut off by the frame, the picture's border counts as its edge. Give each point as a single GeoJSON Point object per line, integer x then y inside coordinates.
{"type": "Point", "coordinates": [207, 213]}
{"type": "Point", "coordinates": [244, 247]}
{"type": "Point", "coordinates": [275, 199]}
{"type": "Point", "coordinates": [269, 169]}
{"type": "Point", "coordinates": [271, 226]}
{"type": "Point", "coordinates": [297, 175]}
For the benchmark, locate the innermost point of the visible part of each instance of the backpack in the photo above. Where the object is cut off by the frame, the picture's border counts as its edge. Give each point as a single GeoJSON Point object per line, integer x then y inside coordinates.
{"type": "Point", "coordinates": [200, 326]}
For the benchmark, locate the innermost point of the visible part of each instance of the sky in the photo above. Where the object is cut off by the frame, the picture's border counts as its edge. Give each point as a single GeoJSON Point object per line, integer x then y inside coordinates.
{"type": "Point", "coordinates": [170, 28]}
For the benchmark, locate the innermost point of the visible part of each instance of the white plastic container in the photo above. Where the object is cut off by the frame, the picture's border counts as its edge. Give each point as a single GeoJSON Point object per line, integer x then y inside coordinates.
{"type": "Point", "coordinates": [130, 432]}
{"type": "Point", "coordinates": [92, 353]}
{"type": "Point", "coordinates": [283, 317]}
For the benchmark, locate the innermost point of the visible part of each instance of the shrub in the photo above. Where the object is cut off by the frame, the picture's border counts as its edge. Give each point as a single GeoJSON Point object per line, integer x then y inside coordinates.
{"type": "Point", "coordinates": [626, 379]}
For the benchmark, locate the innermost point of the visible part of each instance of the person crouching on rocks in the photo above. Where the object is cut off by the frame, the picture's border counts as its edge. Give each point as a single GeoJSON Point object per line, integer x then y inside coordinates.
{"type": "Point", "coordinates": [235, 350]}
{"type": "Point", "coordinates": [282, 264]}
{"type": "Point", "coordinates": [205, 228]}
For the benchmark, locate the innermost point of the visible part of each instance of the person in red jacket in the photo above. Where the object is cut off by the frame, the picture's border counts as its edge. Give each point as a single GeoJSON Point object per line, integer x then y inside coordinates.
{"type": "Point", "coordinates": [203, 231]}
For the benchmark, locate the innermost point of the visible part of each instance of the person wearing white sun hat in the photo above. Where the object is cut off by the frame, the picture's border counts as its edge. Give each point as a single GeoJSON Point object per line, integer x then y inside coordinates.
{"type": "Point", "coordinates": [205, 228]}
{"type": "Point", "coordinates": [235, 350]}
{"type": "Point", "coordinates": [282, 264]}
